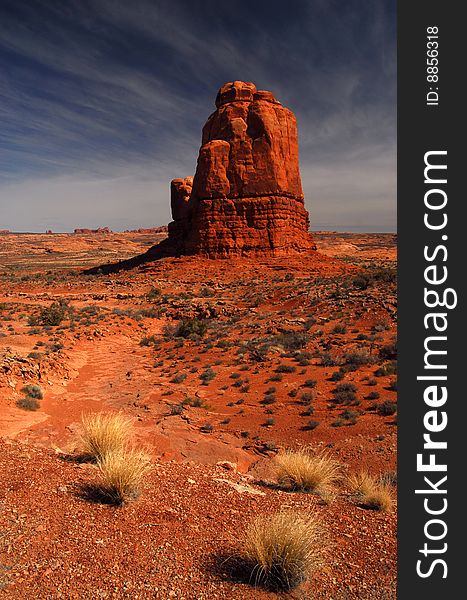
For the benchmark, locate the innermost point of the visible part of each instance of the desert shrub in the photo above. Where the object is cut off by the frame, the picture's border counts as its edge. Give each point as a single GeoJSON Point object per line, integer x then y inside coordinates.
{"type": "Point", "coordinates": [195, 402]}
{"type": "Point", "coordinates": [345, 387]}
{"type": "Point", "coordinates": [206, 292]}
{"type": "Point", "coordinates": [149, 313]}
{"type": "Point", "coordinates": [33, 391]}
{"type": "Point", "coordinates": [306, 397]}
{"type": "Point", "coordinates": [367, 279]}
{"type": "Point", "coordinates": [385, 274]}
{"type": "Point", "coordinates": [386, 369]}
{"type": "Point", "coordinates": [347, 417]}
{"type": "Point", "coordinates": [258, 352]}
{"type": "Point", "coordinates": [53, 315]}
{"type": "Point", "coordinates": [358, 358]}
{"type": "Point", "coordinates": [309, 323]}
{"type": "Point", "coordinates": [176, 409]}
{"type": "Point", "coordinates": [388, 352]}
{"type": "Point", "coordinates": [292, 340]}
{"type": "Point", "coordinates": [149, 340]}
{"type": "Point", "coordinates": [207, 428]}
{"type": "Point", "coordinates": [372, 492]}
{"type": "Point", "coordinates": [344, 393]}
{"type": "Point", "coordinates": [337, 376]}
{"type": "Point", "coordinates": [269, 399]}
{"type": "Point", "coordinates": [302, 470]}
{"type": "Point", "coordinates": [36, 355]}
{"type": "Point", "coordinates": [121, 473]}
{"type": "Point", "coordinates": [283, 549]}
{"type": "Point", "coordinates": [285, 369]}
{"type": "Point", "coordinates": [312, 425]}
{"type": "Point", "coordinates": [207, 375]}
{"type": "Point", "coordinates": [393, 385]}
{"type": "Point", "coordinates": [387, 408]}
{"type": "Point", "coordinates": [310, 383]}
{"type": "Point", "coordinates": [28, 404]}
{"type": "Point", "coordinates": [276, 377]}
{"type": "Point", "coordinates": [178, 378]}
{"type": "Point", "coordinates": [339, 328]}
{"type": "Point", "coordinates": [55, 347]}
{"type": "Point", "coordinates": [361, 282]}
{"type": "Point", "coordinates": [104, 433]}
{"type": "Point", "coordinates": [373, 396]}
{"type": "Point", "coordinates": [153, 294]}
{"type": "Point", "coordinates": [327, 360]}
{"type": "Point", "coordinates": [344, 398]}
{"type": "Point", "coordinates": [191, 327]}
{"type": "Point", "coordinates": [269, 422]}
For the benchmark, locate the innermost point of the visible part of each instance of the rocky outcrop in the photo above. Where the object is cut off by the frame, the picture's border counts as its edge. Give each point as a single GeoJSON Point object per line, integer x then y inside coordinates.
{"type": "Point", "coordinates": [246, 196]}
{"type": "Point", "coordinates": [161, 229]}
{"type": "Point", "coordinates": [81, 230]}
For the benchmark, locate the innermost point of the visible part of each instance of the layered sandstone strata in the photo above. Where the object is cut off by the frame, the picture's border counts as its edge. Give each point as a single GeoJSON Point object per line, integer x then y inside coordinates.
{"type": "Point", "coordinates": [246, 196]}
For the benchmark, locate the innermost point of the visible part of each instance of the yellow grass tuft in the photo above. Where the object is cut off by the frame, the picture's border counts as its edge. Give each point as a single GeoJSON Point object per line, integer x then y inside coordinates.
{"type": "Point", "coordinates": [373, 492]}
{"type": "Point", "coordinates": [121, 473]}
{"type": "Point", "coordinates": [301, 470]}
{"type": "Point", "coordinates": [283, 549]}
{"type": "Point", "coordinates": [104, 433]}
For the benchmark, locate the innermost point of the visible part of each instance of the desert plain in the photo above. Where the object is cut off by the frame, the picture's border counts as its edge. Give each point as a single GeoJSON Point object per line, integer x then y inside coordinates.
{"type": "Point", "coordinates": [212, 404]}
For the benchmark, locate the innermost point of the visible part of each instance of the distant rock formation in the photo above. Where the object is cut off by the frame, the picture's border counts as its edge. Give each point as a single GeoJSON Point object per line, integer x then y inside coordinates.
{"type": "Point", "coordinates": [88, 231]}
{"type": "Point", "coordinates": [4, 231]}
{"type": "Point", "coordinates": [162, 229]}
{"type": "Point", "coordinates": [246, 197]}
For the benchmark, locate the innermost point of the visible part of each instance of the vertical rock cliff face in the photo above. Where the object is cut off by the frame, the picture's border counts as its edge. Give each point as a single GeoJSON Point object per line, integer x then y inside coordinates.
{"type": "Point", "coordinates": [246, 197]}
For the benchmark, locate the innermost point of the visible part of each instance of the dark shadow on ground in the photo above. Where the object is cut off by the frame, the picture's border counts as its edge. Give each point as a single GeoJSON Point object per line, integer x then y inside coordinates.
{"type": "Point", "coordinates": [164, 249]}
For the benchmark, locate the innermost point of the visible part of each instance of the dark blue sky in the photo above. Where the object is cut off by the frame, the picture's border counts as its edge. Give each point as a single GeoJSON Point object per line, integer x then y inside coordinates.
{"type": "Point", "coordinates": [102, 103]}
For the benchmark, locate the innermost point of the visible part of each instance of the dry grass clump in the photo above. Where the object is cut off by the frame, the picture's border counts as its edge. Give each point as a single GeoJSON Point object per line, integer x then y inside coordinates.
{"type": "Point", "coordinates": [303, 471]}
{"type": "Point", "coordinates": [104, 433]}
{"type": "Point", "coordinates": [283, 549]}
{"type": "Point", "coordinates": [373, 492]}
{"type": "Point", "coordinates": [121, 473]}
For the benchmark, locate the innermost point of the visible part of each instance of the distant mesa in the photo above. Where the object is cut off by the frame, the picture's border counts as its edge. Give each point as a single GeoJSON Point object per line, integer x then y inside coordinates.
{"type": "Point", "coordinates": [4, 231]}
{"type": "Point", "coordinates": [88, 231]}
{"type": "Point", "coordinates": [162, 229]}
{"type": "Point", "coordinates": [246, 197]}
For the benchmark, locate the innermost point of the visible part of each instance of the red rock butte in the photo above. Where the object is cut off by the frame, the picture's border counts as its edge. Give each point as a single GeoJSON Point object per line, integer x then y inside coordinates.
{"type": "Point", "coordinates": [246, 197]}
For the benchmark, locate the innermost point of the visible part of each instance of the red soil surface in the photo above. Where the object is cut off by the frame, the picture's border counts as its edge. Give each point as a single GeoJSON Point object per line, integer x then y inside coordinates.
{"type": "Point", "coordinates": [283, 323]}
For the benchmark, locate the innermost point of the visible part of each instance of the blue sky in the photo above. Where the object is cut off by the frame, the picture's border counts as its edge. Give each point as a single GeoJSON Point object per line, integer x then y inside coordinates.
{"type": "Point", "coordinates": [102, 103]}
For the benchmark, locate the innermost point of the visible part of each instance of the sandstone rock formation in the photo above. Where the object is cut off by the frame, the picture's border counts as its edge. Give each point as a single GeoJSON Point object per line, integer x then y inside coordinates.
{"type": "Point", "coordinates": [246, 197]}
{"type": "Point", "coordinates": [88, 231]}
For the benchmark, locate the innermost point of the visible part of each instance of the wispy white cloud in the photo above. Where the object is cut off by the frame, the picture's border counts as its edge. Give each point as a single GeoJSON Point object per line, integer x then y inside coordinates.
{"type": "Point", "coordinates": [115, 94]}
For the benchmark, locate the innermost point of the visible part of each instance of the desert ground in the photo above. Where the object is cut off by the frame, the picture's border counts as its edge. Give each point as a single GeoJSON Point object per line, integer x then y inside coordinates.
{"type": "Point", "coordinates": [212, 405]}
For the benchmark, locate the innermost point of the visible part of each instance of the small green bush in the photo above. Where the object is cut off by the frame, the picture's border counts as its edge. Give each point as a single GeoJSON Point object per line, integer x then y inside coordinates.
{"type": "Point", "coordinates": [387, 408]}
{"type": "Point", "coordinates": [191, 327]}
{"type": "Point", "coordinates": [28, 403]}
{"type": "Point", "coordinates": [33, 391]}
